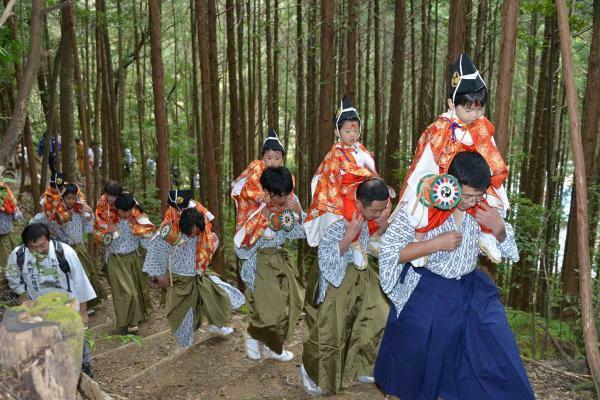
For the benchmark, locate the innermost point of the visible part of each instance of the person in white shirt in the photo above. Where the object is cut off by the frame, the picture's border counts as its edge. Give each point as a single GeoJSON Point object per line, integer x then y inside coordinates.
{"type": "Point", "coordinates": [41, 266]}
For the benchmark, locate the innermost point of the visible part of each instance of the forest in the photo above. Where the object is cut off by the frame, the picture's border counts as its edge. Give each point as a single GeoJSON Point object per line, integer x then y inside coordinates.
{"type": "Point", "coordinates": [180, 94]}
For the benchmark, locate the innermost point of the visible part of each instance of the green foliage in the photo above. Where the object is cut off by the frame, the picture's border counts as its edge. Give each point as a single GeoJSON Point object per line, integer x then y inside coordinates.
{"type": "Point", "coordinates": [521, 325]}
{"type": "Point", "coordinates": [528, 221]}
{"type": "Point", "coordinates": [93, 338]}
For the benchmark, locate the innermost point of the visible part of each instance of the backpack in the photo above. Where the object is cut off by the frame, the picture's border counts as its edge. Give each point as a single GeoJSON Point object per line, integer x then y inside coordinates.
{"type": "Point", "coordinates": [60, 256]}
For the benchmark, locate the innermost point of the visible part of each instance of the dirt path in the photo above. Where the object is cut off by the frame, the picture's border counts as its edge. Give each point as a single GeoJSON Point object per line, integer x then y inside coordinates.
{"type": "Point", "coordinates": [217, 367]}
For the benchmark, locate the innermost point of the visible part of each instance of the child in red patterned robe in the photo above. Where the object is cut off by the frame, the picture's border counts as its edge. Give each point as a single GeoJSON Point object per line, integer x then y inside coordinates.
{"type": "Point", "coordinates": [333, 186]}
{"type": "Point", "coordinates": [249, 197]}
{"type": "Point", "coordinates": [462, 128]}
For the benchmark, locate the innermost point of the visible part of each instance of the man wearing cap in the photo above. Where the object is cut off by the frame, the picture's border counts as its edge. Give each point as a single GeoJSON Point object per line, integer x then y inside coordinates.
{"type": "Point", "coordinates": [179, 257]}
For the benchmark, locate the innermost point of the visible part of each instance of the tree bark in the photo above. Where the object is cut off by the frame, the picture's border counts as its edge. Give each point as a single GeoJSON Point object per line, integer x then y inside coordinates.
{"type": "Point", "coordinates": [312, 108]}
{"type": "Point", "coordinates": [141, 107]}
{"type": "Point", "coordinates": [532, 186]}
{"type": "Point", "coordinates": [350, 89]}
{"type": "Point", "coordinates": [209, 144]}
{"type": "Point", "coordinates": [590, 335]}
{"type": "Point", "coordinates": [17, 121]}
{"type": "Point", "coordinates": [66, 99]}
{"type": "Point", "coordinates": [160, 108]}
{"type": "Point", "coordinates": [378, 132]}
{"type": "Point", "coordinates": [236, 138]}
{"type": "Point", "coordinates": [508, 46]}
{"type": "Point", "coordinates": [82, 106]}
{"type": "Point", "coordinates": [591, 118]}
{"type": "Point", "coordinates": [424, 116]}
{"type": "Point", "coordinates": [327, 78]}
{"type": "Point", "coordinates": [528, 102]}
{"type": "Point", "coordinates": [396, 95]}
{"type": "Point", "coordinates": [27, 139]}
{"type": "Point", "coordinates": [365, 110]}
{"type": "Point", "coordinates": [456, 31]}
{"type": "Point", "coordinates": [241, 88]}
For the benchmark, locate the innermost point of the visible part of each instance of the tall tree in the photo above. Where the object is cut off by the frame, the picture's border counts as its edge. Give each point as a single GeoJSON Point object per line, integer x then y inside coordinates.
{"type": "Point", "coordinates": [209, 123]}
{"type": "Point", "coordinates": [590, 335]}
{"type": "Point", "coordinates": [17, 121]}
{"type": "Point", "coordinates": [528, 99]}
{"type": "Point", "coordinates": [522, 272]}
{"type": "Point", "coordinates": [312, 104]}
{"type": "Point", "coordinates": [160, 107]}
{"type": "Point", "coordinates": [327, 78]}
{"type": "Point", "coordinates": [396, 94]}
{"type": "Point", "coordinates": [236, 138]}
{"type": "Point", "coordinates": [508, 45]}
{"type": "Point", "coordinates": [27, 140]}
{"type": "Point", "coordinates": [240, 70]}
{"type": "Point", "coordinates": [82, 105]}
{"type": "Point", "coordinates": [66, 96]}
{"type": "Point", "coordinates": [141, 106]}
{"type": "Point", "coordinates": [425, 89]}
{"type": "Point", "coordinates": [456, 33]}
{"type": "Point", "coordinates": [378, 132]}
{"type": "Point", "coordinates": [350, 87]}
{"type": "Point", "coordinates": [589, 131]}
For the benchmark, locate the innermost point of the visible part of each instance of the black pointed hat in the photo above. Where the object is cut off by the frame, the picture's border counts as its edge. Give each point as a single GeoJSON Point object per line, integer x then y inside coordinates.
{"type": "Point", "coordinates": [464, 77]}
{"type": "Point", "coordinates": [57, 180]}
{"type": "Point", "coordinates": [346, 112]}
{"type": "Point", "coordinates": [180, 199]}
{"type": "Point", "coordinates": [272, 142]}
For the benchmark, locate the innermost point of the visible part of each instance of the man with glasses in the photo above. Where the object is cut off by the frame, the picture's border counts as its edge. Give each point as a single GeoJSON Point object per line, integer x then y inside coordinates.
{"type": "Point", "coordinates": [41, 266]}
{"type": "Point", "coordinates": [447, 335]}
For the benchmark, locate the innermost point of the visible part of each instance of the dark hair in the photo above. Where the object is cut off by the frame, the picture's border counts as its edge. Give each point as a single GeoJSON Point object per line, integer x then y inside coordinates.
{"type": "Point", "coordinates": [70, 188]}
{"type": "Point", "coordinates": [263, 151]}
{"type": "Point", "coordinates": [277, 180]}
{"type": "Point", "coordinates": [33, 232]}
{"type": "Point", "coordinates": [477, 99]}
{"type": "Point", "coordinates": [113, 188]}
{"type": "Point", "coordinates": [471, 169]}
{"type": "Point", "coordinates": [124, 202]}
{"type": "Point", "coordinates": [340, 123]}
{"type": "Point", "coordinates": [191, 217]}
{"type": "Point", "coordinates": [373, 189]}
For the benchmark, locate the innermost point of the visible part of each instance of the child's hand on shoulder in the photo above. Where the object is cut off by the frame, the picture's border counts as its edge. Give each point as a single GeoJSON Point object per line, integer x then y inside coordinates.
{"type": "Point", "coordinates": [353, 226]}
{"type": "Point", "coordinates": [292, 203]}
{"type": "Point", "coordinates": [489, 217]}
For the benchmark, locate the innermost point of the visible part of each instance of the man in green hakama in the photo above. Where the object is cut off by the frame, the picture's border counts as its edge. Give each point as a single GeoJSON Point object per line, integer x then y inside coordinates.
{"type": "Point", "coordinates": [179, 257]}
{"type": "Point", "coordinates": [273, 290]}
{"type": "Point", "coordinates": [124, 258]}
{"type": "Point", "coordinates": [346, 310]}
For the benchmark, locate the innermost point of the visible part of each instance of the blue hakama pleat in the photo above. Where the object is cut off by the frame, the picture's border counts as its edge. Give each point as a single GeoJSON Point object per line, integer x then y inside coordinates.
{"type": "Point", "coordinates": [451, 341]}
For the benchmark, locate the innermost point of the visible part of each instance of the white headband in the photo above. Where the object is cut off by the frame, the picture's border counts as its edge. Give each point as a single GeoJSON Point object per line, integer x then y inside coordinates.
{"type": "Point", "coordinates": [337, 120]}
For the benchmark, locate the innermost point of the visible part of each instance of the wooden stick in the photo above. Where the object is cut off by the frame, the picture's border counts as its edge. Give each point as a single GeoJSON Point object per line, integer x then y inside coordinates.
{"type": "Point", "coordinates": [165, 360]}
{"type": "Point", "coordinates": [130, 344]}
{"type": "Point", "coordinates": [581, 377]}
